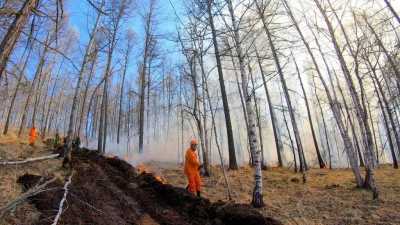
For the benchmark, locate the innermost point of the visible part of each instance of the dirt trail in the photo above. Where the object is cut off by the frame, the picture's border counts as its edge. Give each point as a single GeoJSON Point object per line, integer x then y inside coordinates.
{"type": "Point", "coordinates": [109, 191]}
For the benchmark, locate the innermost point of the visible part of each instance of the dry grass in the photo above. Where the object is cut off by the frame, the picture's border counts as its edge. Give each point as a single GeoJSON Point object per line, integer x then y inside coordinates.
{"type": "Point", "coordinates": [328, 197]}
{"type": "Point", "coordinates": [13, 148]}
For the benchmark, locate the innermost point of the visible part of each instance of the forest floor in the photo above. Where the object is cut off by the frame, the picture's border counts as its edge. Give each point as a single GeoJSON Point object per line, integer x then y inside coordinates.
{"type": "Point", "coordinates": [328, 197]}
{"type": "Point", "coordinates": [105, 191]}
{"type": "Point", "coordinates": [110, 191]}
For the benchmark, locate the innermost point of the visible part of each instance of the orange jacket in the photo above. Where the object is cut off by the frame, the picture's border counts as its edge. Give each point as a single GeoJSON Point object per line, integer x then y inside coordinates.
{"type": "Point", "coordinates": [191, 162]}
{"type": "Point", "coordinates": [32, 133]}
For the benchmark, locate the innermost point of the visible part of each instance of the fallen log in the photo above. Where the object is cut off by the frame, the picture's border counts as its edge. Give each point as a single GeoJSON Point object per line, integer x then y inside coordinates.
{"type": "Point", "coordinates": [60, 208]}
{"type": "Point", "coordinates": [39, 188]}
{"type": "Point", "coordinates": [28, 160]}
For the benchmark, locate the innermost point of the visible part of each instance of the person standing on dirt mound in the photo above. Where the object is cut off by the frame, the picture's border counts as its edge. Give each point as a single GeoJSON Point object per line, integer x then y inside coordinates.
{"type": "Point", "coordinates": [192, 166]}
{"type": "Point", "coordinates": [32, 136]}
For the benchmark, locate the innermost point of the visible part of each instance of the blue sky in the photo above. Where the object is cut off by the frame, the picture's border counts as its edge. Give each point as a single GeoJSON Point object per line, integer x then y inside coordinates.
{"type": "Point", "coordinates": [79, 12]}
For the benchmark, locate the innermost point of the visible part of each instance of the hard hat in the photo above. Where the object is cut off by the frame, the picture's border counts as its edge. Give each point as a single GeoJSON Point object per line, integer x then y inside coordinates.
{"type": "Point", "coordinates": [193, 142]}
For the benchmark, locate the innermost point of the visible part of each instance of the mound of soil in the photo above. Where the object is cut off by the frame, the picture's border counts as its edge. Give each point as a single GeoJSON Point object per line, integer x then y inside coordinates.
{"type": "Point", "coordinates": [109, 191]}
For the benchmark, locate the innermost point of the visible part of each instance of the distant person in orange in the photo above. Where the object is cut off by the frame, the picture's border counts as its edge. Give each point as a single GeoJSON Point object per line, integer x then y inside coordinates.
{"type": "Point", "coordinates": [32, 136]}
{"type": "Point", "coordinates": [192, 166]}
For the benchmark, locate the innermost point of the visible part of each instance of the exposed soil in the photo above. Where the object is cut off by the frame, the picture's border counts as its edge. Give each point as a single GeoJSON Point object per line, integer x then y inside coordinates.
{"type": "Point", "coordinates": [109, 191]}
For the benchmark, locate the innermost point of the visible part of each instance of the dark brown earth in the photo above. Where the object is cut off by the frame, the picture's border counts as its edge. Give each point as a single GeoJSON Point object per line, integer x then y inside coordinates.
{"type": "Point", "coordinates": [110, 191]}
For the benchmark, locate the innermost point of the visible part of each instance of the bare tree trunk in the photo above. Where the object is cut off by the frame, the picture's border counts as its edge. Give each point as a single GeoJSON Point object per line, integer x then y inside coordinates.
{"type": "Point", "coordinates": [77, 89]}
{"type": "Point", "coordinates": [148, 83]}
{"type": "Point", "coordinates": [127, 54]}
{"type": "Point", "coordinates": [14, 96]}
{"type": "Point", "coordinates": [386, 124]}
{"type": "Point", "coordinates": [257, 109]}
{"type": "Point", "coordinates": [320, 160]}
{"type": "Point", "coordinates": [53, 91]}
{"type": "Point", "coordinates": [196, 111]}
{"type": "Point", "coordinates": [324, 124]}
{"type": "Point", "coordinates": [369, 181]}
{"type": "Point", "coordinates": [392, 10]}
{"type": "Point", "coordinates": [243, 104]}
{"type": "Point", "coordinates": [231, 145]}
{"type": "Point", "coordinates": [143, 72]}
{"type": "Point", "coordinates": [351, 122]}
{"type": "Point", "coordinates": [216, 137]}
{"type": "Point", "coordinates": [31, 89]}
{"type": "Point", "coordinates": [348, 146]}
{"type": "Point", "coordinates": [241, 97]}
{"type": "Point", "coordinates": [390, 113]}
{"type": "Point", "coordinates": [333, 101]}
{"type": "Point", "coordinates": [361, 108]}
{"type": "Point", "coordinates": [334, 104]}
{"type": "Point", "coordinates": [206, 138]}
{"type": "Point", "coordinates": [302, 160]}
{"type": "Point", "coordinates": [14, 31]}
{"type": "Point", "coordinates": [277, 137]}
{"type": "Point", "coordinates": [290, 140]}
{"type": "Point", "coordinates": [257, 200]}
{"type": "Point", "coordinates": [85, 93]}
{"type": "Point", "coordinates": [38, 95]}
{"type": "Point", "coordinates": [373, 132]}
{"type": "Point", "coordinates": [384, 105]}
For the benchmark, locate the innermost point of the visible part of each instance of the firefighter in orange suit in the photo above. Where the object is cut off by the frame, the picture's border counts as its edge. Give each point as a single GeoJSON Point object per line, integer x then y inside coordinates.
{"type": "Point", "coordinates": [32, 136]}
{"type": "Point", "coordinates": [192, 166]}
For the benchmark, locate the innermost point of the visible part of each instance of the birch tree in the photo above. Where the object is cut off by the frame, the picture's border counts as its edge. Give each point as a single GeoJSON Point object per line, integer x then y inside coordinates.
{"type": "Point", "coordinates": [257, 200]}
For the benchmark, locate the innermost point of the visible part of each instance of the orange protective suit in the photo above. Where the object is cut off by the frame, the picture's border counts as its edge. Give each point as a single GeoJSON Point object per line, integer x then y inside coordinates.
{"type": "Point", "coordinates": [32, 136]}
{"type": "Point", "coordinates": [192, 171]}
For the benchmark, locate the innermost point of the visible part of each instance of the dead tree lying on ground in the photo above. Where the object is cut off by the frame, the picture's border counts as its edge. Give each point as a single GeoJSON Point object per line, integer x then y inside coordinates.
{"type": "Point", "coordinates": [28, 160]}
{"type": "Point", "coordinates": [60, 208]}
{"type": "Point", "coordinates": [22, 198]}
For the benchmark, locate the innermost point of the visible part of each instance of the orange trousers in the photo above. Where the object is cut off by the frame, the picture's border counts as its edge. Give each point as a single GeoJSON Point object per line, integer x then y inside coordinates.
{"type": "Point", "coordinates": [194, 182]}
{"type": "Point", "coordinates": [32, 140]}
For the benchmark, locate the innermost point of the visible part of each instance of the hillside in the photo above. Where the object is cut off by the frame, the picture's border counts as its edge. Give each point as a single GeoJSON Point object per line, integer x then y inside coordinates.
{"type": "Point", "coordinates": [104, 190]}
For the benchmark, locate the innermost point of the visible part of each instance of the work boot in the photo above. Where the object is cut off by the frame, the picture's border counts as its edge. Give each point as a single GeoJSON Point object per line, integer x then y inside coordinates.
{"type": "Point", "coordinates": [198, 194]}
